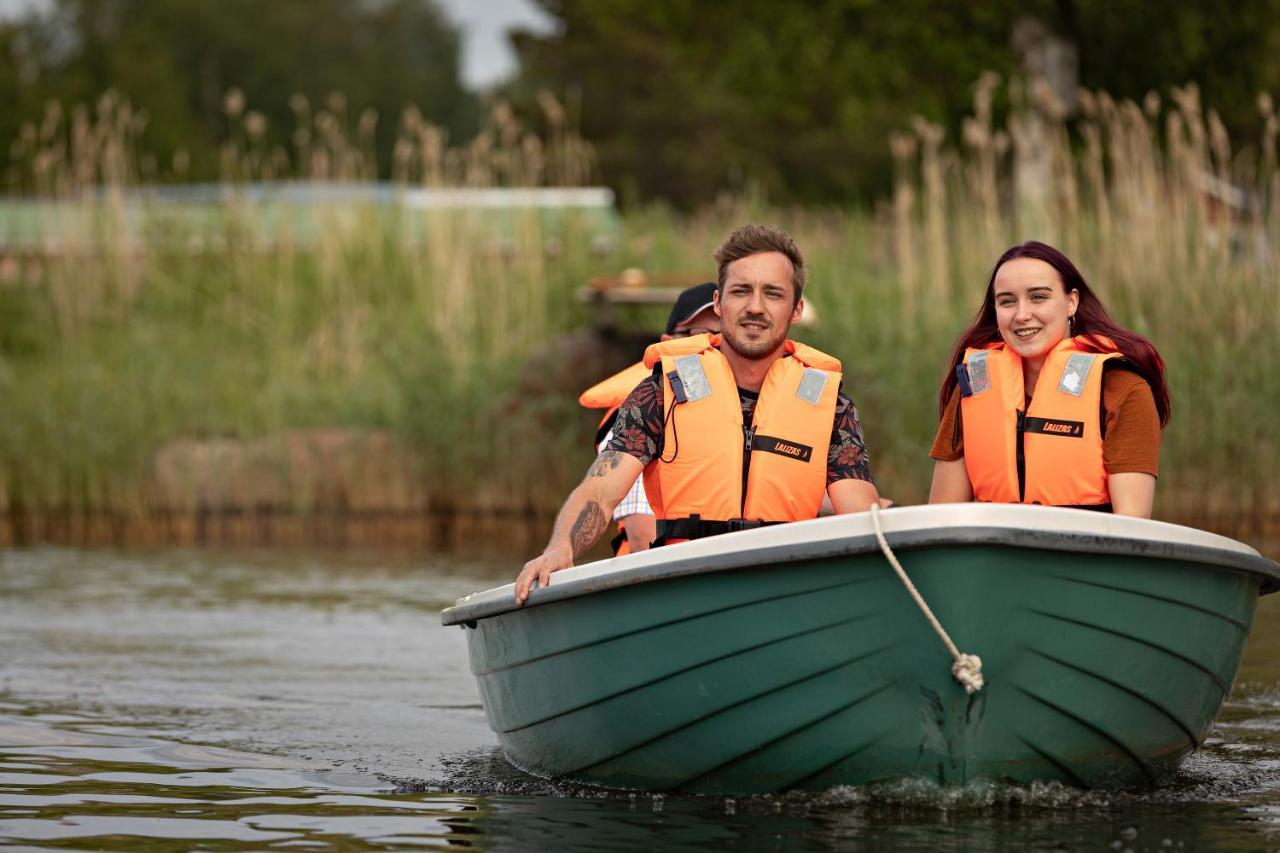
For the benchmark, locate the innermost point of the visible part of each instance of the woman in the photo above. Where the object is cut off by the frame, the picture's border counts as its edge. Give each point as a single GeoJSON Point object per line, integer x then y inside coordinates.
{"type": "Point", "coordinates": [1048, 400]}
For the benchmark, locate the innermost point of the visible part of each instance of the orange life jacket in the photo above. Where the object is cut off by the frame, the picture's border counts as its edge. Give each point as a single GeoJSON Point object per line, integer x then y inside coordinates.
{"type": "Point", "coordinates": [1049, 454]}
{"type": "Point", "coordinates": [609, 394]}
{"type": "Point", "coordinates": [716, 468]}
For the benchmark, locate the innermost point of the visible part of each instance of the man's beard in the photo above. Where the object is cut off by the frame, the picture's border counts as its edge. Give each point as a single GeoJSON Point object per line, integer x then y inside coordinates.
{"type": "Point", "coordinates": [753, 349]}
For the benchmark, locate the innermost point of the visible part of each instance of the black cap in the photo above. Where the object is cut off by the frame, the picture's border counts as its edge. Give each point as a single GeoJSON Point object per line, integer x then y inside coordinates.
{"type": "Point", "coordinates": [691, 302]}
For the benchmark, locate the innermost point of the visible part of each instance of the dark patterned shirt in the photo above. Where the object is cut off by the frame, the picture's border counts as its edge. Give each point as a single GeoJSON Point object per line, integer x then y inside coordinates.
{"type": "Point", "coordinates": [638, 431]}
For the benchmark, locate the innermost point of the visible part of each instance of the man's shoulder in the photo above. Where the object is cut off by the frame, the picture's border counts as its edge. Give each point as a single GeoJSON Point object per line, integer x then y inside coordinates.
{"type": "Point", "coordinates": [844, 403]}
{"type": "Point", "coordinates": [646, 394]}
{"type": "Point", "coordinates": [649, 382]}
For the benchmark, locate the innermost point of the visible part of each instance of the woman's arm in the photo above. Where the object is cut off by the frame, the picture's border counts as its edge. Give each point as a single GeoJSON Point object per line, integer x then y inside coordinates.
{"type": "Point", "coordinates": [1132, 449]}
{"type": "Point", "coordinates": [950, 483]}
{"type": "Point", "coordinates": [1132, 494]}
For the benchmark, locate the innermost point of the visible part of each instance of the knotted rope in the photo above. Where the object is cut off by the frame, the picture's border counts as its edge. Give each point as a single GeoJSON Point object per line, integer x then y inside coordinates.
{"type": "Point", "coordinates": [966, 669]}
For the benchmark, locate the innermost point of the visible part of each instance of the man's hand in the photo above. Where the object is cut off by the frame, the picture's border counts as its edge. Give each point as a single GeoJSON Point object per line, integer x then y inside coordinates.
{"type": "Point", "coordinates": [539, 569]}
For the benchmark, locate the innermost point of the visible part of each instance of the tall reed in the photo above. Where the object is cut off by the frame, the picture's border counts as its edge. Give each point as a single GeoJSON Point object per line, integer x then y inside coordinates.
{"type": "Point", "coordinates": [128, 324]}
{"type": "Point", "coordinates": [1173, 223]}
{"type": "Point", "coordinates": [133, 327]}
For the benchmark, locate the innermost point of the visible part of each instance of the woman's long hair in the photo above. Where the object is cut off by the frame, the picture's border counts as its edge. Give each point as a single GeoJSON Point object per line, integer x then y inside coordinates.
{"type": "Point", "coordinates": [1091, 322]}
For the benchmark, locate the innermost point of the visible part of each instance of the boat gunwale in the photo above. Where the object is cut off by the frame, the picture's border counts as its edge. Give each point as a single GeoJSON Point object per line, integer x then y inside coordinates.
{"type": "Point", "coordinates": [644, 567]}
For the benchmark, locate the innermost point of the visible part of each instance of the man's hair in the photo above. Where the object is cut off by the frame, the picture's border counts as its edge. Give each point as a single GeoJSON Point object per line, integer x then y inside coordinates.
{"type": "Point", "coordinates": [753, 240]}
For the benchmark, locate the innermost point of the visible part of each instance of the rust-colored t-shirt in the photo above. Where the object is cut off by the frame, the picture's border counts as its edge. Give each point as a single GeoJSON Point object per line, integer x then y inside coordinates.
{"type": "Point", "coordinates": [1131, 427]}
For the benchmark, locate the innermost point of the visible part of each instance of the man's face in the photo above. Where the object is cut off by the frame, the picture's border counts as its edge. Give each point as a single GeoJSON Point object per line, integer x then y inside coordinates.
{"type": "Point", "coordinates": [757, 304]}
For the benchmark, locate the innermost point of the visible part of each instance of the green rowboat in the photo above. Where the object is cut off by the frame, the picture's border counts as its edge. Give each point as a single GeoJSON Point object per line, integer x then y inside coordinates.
{"type": "Point", "coordinates": [793, 657]}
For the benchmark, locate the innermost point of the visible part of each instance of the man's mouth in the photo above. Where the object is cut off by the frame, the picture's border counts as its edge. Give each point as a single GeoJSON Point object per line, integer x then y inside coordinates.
{"type": "Point", "coordinates": [752, 324]}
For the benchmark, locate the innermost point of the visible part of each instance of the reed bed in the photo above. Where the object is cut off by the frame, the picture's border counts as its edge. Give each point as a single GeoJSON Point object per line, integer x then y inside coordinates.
{"type": "Point", "coordinates": [143, 351]}
{"type": "Point", "coordinates": [427, 336]}
{"type": "Point", "coordinates": [1172, 222]}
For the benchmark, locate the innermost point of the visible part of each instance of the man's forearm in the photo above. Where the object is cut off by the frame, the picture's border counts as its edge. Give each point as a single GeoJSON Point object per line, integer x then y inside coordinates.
{"type": "Point", "coordinates": [585, 514]}
{"type": "Point", "coordinates": [581, 521]}
{"type": "Point", "coordinates": [852, 495]}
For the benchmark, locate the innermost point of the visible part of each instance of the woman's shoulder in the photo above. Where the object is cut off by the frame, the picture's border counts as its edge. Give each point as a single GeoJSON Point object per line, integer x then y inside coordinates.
{"type": "Point", "coordinates": [1119, 379]}
{"type": "Point", "coordinates": [1132, 424]}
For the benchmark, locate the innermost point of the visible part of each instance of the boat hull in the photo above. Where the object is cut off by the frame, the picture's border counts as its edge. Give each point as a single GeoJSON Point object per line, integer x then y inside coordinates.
{"type": "Point", "coordinates": [1102, 670]}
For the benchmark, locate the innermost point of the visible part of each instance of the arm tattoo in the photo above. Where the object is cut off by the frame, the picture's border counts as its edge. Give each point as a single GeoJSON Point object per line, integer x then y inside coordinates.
{"type": "Point", "coordinates": [607, 461]}
{"type": "Point", "coordinates": [588, 527]}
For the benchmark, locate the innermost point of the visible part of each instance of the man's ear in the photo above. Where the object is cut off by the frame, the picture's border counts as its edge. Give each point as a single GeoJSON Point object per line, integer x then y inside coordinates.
{"type": "Point", "coordinates": [715, 303]}
{"type": "Point", "coordinates": [798, 311]}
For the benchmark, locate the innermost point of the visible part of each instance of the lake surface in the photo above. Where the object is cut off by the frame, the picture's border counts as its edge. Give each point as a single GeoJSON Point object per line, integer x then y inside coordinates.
{"type": "Point", "coordinates": [192, 700]}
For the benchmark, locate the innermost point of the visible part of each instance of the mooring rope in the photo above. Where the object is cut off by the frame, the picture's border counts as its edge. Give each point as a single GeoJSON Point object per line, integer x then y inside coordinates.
{"type": "Point", "coordinates": [966, 669]}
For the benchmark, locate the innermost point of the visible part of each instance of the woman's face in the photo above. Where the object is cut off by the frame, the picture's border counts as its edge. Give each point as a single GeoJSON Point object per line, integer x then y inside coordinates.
{"type": "Point", "coordinates": [1032, 307]}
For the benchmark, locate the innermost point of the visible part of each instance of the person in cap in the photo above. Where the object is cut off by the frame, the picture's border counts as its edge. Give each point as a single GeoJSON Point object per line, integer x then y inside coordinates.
{"type": "Point", "coordinates": [692, 314]}
{"type": "Point", "coordinates": [733, 430]}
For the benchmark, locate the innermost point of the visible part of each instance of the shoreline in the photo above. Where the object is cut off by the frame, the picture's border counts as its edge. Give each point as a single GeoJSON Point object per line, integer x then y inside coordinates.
{"type": "Point", "coordinates": [500, 529]}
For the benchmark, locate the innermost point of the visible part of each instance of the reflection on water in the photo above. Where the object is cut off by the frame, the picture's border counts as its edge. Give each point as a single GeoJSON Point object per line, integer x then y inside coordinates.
{"type": "Point", "coordinates": [65, 778]}
{"type": "Point", "coordinates": [181, 701]}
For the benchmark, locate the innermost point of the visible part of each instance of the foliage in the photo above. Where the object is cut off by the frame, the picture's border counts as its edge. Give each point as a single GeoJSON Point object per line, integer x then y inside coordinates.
{"type": "Point", "coordinates": [176, 60]}
{"type": "Point", "coordinates": [685, 102]}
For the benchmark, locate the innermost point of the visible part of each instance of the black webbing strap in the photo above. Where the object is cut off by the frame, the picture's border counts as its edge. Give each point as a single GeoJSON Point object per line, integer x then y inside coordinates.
{"type": "Point", "coordinates": [699, 528]}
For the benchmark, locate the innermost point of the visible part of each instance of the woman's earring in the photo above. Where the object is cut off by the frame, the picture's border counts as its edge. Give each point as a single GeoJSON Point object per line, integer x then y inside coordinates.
{"type": "Point", "coordinates": [1071, 322]}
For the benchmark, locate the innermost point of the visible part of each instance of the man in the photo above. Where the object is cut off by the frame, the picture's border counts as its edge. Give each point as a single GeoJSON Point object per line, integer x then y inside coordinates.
{"type": "Point", "coordinates": [735, 430]}
{"type": "Point", "coordinates": [692, 314]}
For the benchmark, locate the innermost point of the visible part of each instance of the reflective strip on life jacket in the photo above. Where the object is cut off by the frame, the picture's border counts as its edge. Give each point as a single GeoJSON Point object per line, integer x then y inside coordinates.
{"type": "Point", "coordinates": [707, 448]}
{"type": "Point", "coordinates": [1051, 453]}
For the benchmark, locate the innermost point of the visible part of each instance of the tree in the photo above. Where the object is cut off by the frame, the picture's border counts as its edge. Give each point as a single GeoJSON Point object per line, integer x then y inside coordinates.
{"type": "Point", "coordinates": [684, 100]}
{"type": "Point", "coordinates": [177, 60]}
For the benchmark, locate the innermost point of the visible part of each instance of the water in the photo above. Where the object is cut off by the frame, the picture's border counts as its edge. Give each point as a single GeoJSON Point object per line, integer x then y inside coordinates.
{"type": "Point", "coordinates": [180, 700]}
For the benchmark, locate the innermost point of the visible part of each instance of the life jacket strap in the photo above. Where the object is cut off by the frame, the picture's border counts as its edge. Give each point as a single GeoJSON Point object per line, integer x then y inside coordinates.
{"type": "Point", "coordinates": [700, 528]}
{"type": "Point", "coordinates": [1094, 507]}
